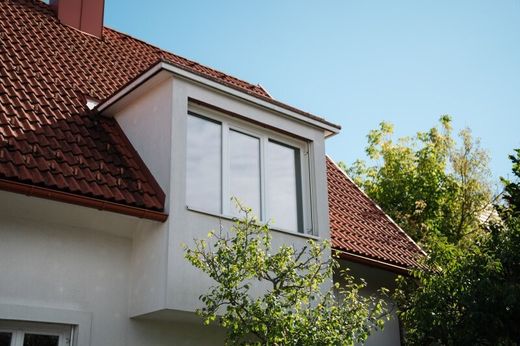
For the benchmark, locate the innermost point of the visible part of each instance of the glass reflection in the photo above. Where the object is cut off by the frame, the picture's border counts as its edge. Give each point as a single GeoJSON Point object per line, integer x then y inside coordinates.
{"type": "Point", "coordinates": [40, 340]}
{"type": "Point", "coordinates": [5, 338]}
{"type": "Point", "coordinates": [283, 186]}
{"type": "Point", "coordinates": [204, 145]}
{"type": "Point", "coordinates": [244, 171]}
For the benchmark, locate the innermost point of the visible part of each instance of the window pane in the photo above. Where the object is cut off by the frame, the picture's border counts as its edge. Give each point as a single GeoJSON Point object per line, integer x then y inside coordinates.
{"type": "Point", "coordinates": [283, 186]}
{"type": "Point", "coordinates": [5, 338]}
{"type": "Point", "coordinates": [203, 188]}
{"type": "Point", "coordinates": [244, 171]}
{"type": "Point", "coordinates": [40, 340]}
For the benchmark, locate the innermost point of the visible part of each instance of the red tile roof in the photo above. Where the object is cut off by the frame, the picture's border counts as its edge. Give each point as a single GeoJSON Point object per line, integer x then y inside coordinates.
{"type": "Point", "coordinates": [52, 146]}
{"type": "Point", "coordinates": [48, 137]}
{"type": "Point", "coordinates": [360, 228]}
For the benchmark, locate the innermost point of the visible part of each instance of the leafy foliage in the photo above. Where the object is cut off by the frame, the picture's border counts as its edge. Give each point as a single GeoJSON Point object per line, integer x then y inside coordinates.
{"type": "Point", "coordinates": [438, 191]}
{"type": "Point", "coordinates": [285, 296]}
{"type": "Point", "coordinates": [427, 184]}
{"type": "Point", "coordinates": [512, 189]}
{"type": "Point", "coordinates": [472, 294]}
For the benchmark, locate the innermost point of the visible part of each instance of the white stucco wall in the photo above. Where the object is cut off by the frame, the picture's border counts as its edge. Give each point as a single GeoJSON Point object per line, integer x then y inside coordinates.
{"type": "Point", "coordinates": [54, 269]}
{"type": "Point", "coordinates": [376, 279]}
{"type": "Point", "coordinates": [123, 279]}
{"type": "Point", "coordinates": [146, 119]}
{"type": "Point", "coordinates": [185, 283]}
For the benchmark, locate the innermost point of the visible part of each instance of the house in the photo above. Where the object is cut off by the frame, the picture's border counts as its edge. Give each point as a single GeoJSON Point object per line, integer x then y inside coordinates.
{"type": "Point", "coordinates": [114, 152]}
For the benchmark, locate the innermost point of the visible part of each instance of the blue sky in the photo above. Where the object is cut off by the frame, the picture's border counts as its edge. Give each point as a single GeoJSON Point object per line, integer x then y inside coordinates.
{"type": "Point", "coordinates": [357, 63]}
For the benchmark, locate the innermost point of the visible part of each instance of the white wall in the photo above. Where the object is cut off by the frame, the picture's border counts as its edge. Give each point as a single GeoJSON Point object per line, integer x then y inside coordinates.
{"type": "Point", "coordinates": [377, 278]}
{"type": "Point", "coordinates": [50, 269]}
{"type": "Point", "coordinates": [186, 283]}
{"type": "Point", "coordinates": [161, 277]}
{"type": "Point", "coordinates": [146, 121]}
{"type": "Point", "coordinates": [105, 267]}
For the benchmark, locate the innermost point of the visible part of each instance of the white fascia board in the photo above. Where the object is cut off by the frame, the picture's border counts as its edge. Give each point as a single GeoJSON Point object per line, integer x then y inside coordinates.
{"type": "Point", "coordinates": [107, 103]}
{"type": "Point", "coordinates": [330, 130]}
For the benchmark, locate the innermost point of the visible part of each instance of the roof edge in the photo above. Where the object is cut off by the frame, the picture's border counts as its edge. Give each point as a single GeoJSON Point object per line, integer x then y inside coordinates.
{"type": "Point", "coordinates": [376, 205]}
{"type": "Point", "coordinates": [60, 196]}
{"type": "Point", "coordinates": [183, 72]}
{"type": "Point", "coordinates": [142, 165]}
{"type": "Point", "coordinates": [348, 256]}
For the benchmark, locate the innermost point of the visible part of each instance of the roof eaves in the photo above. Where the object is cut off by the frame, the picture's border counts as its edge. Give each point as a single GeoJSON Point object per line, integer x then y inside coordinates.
{"type": "Point", "coordinates": [185, 72]}
{"type": "Point", "coordinates": [60, 196]}
{"type": "Point", "coordinates": [349, 256]}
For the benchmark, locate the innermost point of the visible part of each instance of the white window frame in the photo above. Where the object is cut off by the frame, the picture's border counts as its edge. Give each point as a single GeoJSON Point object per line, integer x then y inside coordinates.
{"type": "Point", "coordinates": [18, 329]}
{"type": "Point", "coordinates": [233, 123]}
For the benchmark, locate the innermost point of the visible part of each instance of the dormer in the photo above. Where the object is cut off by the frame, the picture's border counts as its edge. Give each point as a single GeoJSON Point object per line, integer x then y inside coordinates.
{"type": "Point", "coordinates": [205, 143]}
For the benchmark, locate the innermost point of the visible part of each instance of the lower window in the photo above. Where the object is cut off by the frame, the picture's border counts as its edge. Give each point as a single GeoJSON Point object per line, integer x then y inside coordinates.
{"type": "Point", "coordinates": [14, 333]}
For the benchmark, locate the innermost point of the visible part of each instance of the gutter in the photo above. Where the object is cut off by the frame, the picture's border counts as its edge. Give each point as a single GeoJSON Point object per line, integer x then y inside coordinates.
{"type": "Point", "coordinates": [36, 191]}
{"type": "Point", "coordinates": [372, 262]}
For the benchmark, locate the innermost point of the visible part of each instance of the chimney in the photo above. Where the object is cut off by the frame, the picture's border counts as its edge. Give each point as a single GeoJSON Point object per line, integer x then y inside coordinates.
{"type": "Point", "coordinates": [84, 15]}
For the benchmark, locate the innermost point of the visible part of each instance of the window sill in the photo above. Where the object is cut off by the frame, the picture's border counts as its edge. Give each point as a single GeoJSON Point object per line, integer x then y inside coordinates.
{"type": "Point", "coordinates": [232, 218]}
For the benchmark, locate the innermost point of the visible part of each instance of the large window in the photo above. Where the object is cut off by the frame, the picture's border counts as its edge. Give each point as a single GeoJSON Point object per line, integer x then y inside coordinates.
{"type": "Point", "coordinates": [265, 171]}
{"type": "Point", "coordinates": [34, 334]}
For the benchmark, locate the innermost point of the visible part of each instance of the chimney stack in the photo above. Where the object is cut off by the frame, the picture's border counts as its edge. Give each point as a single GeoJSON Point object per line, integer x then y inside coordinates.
{"type": "Point", "coordinates": [84, 15]}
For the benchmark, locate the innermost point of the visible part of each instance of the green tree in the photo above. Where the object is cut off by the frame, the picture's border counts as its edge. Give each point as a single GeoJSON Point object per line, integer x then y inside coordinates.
{"type": "Point", "coordinates": [264, 296]}
{"type": "Point", "coordinates": [471, 294]}
{"type": "Point", "coordinates": [427, 183]}
{"type": "Point", "coordinates": [512, 188]}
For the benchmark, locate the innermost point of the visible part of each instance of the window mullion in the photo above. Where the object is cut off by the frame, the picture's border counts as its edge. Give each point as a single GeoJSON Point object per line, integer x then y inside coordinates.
{"type": "Point", "coordinates": [307, 191]}
{"type": "Point", "coordinates": [225, 170]}
{"type": "Point", "coordinates": [19, 338]}
{"type": "Point", "coordinates": [263, 179]}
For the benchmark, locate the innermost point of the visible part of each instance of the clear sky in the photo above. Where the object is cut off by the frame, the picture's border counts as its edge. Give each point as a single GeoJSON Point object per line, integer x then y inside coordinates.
{"type": "Point", "coordinates": [357, 62]}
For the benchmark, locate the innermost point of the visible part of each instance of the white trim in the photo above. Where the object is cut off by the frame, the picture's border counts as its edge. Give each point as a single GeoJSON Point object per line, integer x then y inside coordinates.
{"type": "Point", "coordinates": [233, 218]}
{"type": "Point", "coordinates": [376, 205]}
{"type": "Point", "coordinates": [202, 80]}
{"type": "Point", "coordinates": [265, 90]}
{"type": "Point", "coordinates": [225, 188]}
{"type": "Point", "coordinates": [80, 320]}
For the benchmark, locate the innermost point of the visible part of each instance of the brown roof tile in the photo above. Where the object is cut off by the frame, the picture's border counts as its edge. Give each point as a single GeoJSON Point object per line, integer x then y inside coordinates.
{"type": "Point", "coordinates": [358, 226]}
{"type": "Point", "coordinates": [47, 69]}
{"type": "Point", "coordinates": [49, 139]}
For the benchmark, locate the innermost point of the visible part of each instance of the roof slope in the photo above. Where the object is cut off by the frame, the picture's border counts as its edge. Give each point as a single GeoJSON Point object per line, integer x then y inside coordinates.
{"type": "Point", "coordinates": [50, 141]}
{"type": "Point", "coordinates": [48, 138]}
{"type": "Point", "coordinates": [359, 227]}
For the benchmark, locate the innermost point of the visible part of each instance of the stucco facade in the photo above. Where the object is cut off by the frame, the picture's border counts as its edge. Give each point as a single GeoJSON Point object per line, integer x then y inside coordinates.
{"type": "Point", "coordinates": [96, 183]}
{"type": "Point", "coordinates": [121, 280]}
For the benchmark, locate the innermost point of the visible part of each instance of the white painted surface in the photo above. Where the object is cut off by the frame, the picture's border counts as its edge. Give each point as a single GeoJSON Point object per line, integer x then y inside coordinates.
{"type": "Point", "coordinates": [130, 274]}
{"type": "Point", "coordinates": [146, 121]}
{"type": "Point", "coordinates": [377, 278]}
{"type": "Point", "coordinates": [52, 271]}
